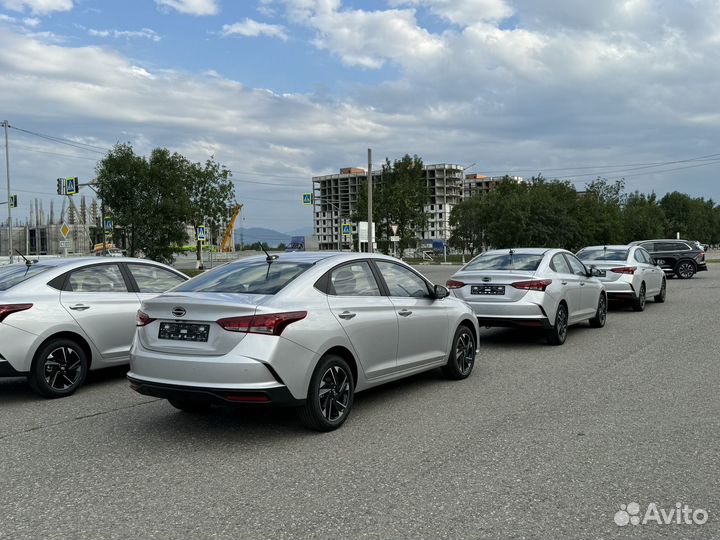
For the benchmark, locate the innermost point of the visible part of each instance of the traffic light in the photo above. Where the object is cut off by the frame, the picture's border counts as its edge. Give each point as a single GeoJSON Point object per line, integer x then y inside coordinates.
{"type": "Point", "coordinates": [13, 201]}
{"type": "Point", "coordinates": [61, 186]}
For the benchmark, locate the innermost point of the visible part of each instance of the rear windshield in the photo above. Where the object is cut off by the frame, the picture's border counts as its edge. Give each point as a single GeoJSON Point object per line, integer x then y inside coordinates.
{"type": "Point", "coordinates": [603, 254]}
{"type": "Point", "coordinates": [506, 261]}
{"type": "Point", "coordinates": [257, 277]}
{"type": "Point", "coordinates": [13, 274]}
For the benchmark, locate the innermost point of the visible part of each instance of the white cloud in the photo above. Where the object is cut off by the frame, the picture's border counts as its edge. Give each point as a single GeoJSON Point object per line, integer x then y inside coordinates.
{"type": "Point", "coordinates": [251, 28]}
{"type": "Point", "coordinates": [145, 33]}
{"type": "Point", "coordinates": [464, 12]}
{"type": "Point", "coordinates": [40, 7]}
{"type": "Point", "coordinates": [31, 22]}
{"type": "Point", "coordinates": [192, 7]}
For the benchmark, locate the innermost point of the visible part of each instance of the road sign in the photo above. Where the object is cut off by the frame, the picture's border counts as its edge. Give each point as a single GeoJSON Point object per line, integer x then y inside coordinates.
{"type": "Point", "coordinates": [109, 225]}
{"type": "Point", "coordinates": [394, 228]}
{"type": "Point", "coordinates": [347, 229]}
{"type": "Point", "coordinates": [13, 201]}
{"type": "Point", "coordinates": [363, 231]}
{"type": "Point", "coordinates": [64, 230]}
{"type": "Point", "coordinates": [200, 233]}
{"type": "Point", "coordinates": [65, 243]}
{"type": "Point", "coordinates": [71, 185]}
{"type": "Point", "coordinates": [307, 199]}
{"type": "Point", "coordinates": [394, 238]}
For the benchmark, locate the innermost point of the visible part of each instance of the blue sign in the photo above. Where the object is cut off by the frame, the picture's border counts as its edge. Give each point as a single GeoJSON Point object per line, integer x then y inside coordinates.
{"type": "Point", "coordinates": [13, 201]}
{"type": "Point", "coordinates": [307, 199]}
{"type": "Point", "coordinates": [71, 185]}
{"type": "Point", "coordinates": [347, 229]}
{"type": "Point", "coordinates": [109, 225]}
{"type": "Point", "coordinates": [200, 233]}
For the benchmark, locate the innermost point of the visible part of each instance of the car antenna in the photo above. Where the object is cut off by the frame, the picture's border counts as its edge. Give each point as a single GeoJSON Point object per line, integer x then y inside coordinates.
{"type": "Point", "coordinates": [269, 258]}
{"type": "Point", "coordinates": [27, 261]}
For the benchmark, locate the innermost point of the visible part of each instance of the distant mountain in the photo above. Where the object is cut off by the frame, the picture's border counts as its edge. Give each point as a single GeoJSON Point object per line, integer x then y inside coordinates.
{"type": "Point", "coordinates": [302, 231]}
{"type": "Point", "coordinates": [251, 235]}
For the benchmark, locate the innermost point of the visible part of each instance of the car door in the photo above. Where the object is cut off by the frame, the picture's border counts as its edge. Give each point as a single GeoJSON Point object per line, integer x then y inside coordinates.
{"type": "Point", "coordinates": [589, 287]}
{"type": "Point", "coordinates": [570, 285]}
{"type": "Point", "coordinates": [151, 279]}
{"type": "Point", "coordinates": [98, 298]}
{"type": "Point", "coordinates": [652, 274]}
{"type": "Point", "coordinates": [424, 331]}
{"type": "Point", "coordinates": [366, 315]}
{"type": "Point", "coordinates": [666, 255]}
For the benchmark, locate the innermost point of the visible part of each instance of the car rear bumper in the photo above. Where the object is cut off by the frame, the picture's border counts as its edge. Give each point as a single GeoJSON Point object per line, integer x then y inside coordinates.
{"type": "Point", "coordinates": [6, 370]}
{"type": "Point", "coordinates": [515, 322]}
{"type": "Point", "coordinates": [16, 348]}
{"type": "Point", "coordinates": [278, 396]}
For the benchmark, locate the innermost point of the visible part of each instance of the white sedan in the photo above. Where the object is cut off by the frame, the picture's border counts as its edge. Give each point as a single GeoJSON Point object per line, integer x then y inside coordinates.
{"type": "Point", "coordinates": [60, 318]}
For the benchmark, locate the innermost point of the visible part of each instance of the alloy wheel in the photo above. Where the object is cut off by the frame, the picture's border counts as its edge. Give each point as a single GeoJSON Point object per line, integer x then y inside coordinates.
{"type": "Point", "coordinates": [334, 393]}
{"type": "Point", "coordinates": [686, 270]}
{"type": "Point", "coordinates": [562, 319]}
{"type": "Point", "coordinates": [62, 368]}
{"type": "Point", "coordinates": [465, 352]}
{"type": "Point", "coordinates": [602, 310]}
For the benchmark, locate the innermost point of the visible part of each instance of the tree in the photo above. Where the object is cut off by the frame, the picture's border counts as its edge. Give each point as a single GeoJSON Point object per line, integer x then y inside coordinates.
{"type": "Point", "coordinates": [468, 222]}
{"type": "Point", "coordinates": [153, 199]}
{"type": "Point", "coordinates": [642, 217]}
{"type": "Point", "coordinates": [399, 199]}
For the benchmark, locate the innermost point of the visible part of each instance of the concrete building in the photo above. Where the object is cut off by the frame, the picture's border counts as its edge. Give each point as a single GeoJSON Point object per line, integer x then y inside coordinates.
{"type": "Point", "coordinates": [477, 183]}
{"type": "Point", "coordinates": [335, 198]}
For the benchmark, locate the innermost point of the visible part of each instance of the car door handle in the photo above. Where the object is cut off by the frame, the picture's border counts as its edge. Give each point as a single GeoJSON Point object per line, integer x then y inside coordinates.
{"type": "Point", "coordinates": [564, 282]}
{"type": "Point", "coordinates": [347, 315]}
{"type": "Point", "coordinates": [404, 312]}
{"type": "Point", "coordinates": [79, 307]}
{"type": "Point", "coordinates": [582, 283]}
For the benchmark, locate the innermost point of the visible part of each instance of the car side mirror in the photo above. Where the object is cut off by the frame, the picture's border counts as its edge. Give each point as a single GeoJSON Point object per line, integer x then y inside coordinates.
{"type": "Point", "coordinates": [440, 292]}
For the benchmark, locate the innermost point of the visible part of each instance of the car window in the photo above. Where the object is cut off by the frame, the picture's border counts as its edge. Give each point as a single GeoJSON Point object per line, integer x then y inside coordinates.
{"type": "Point", "coordinates": [505, 261]}
{"type": "Point", "coordinates": [401, 281]}
{"type": "Point", "coordinates": [13, 274]}
{"type": "Point", "coordinates": [670, 246]}
{"type": "Point", "coordinates": [650, 246]}
{"type": "Point", "coordinates": [247, 277]}
{"type": "Point", "coordinates": [355, 279]}
{"type": "Point", "coordinates": [576, 266]}
{"type": "Point", "coordinates": [608, 254]}
{"type": "Point", "coordinates": [559, 264]}
{"type": "Point", "coordinates": [639, 257]}
{"type": "Point", "coordinates": [153, 279]}
{"type": "Point", "coordinates": [647, 256]}
{"type": "Point", "coordinates": [105, 278]}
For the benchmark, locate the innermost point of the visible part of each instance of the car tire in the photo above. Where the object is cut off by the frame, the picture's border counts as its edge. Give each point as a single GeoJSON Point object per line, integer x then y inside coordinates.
{"type": "Point", "coordinates": [462, 355]}
{"type": "Point", "coordinates": [660, 298]}
{"type": "Point", "coordinates": [638, 304]}
{"type": "Point", "coordinates": [598, 321]}
{"type": "Point", "coordinates": [685, 269]}
{"type": "Point", "coordinates": [558, 333]}
{"type": "Point", "coordinates": [58, 369]}
{"type": "Point", "coordinates": [330, 395]}
{"type": "Point", "coordinates": [192, 407]}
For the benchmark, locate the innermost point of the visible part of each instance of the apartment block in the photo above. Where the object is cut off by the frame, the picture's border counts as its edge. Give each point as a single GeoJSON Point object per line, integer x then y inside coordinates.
{"type": "Point", "coordinates": [478, 183]}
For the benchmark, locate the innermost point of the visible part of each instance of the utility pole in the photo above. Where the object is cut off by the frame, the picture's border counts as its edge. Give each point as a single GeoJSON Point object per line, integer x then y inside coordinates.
{"type": "Point", "coordinates": [370, 202]}
{"type": "Point", "coordinates": [7, 172]}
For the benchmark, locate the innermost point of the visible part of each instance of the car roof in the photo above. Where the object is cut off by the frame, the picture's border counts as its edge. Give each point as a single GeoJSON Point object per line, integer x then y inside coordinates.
{"type": "Point", "coordinates": [62, 262]}
{"type": "Point", "coordinates": [314, 256]}
{"type": "Point", "coordinates": [615, 246]}
{"type": "Point", "coordinates": [660, 240]}
{"type": "Point", "coordinates": [522, 251]}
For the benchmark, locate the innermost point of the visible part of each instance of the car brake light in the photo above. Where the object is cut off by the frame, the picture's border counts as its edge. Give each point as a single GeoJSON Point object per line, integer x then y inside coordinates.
{"type": "Point", "coordinates": [533, 285]}
{"type": "Point", "coordinates": [453, 284]}
{"type": "Point", "coordinates": [266, 323]}
{"type": "Point", "coordinates": [7, 309]}
{"type": "Point", "coordinates": [143, 318]}
{"type": "Point", "coordinates": [624, 270]}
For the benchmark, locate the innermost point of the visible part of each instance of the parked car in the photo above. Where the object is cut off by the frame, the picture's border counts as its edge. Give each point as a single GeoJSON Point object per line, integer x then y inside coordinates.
{"type": "Point", "coordinates": [60, 318]}
{"type": "Point", "coordinates": [630, 273]}
{"type": "Point", "coordinates": [680, 258]}
{"type": "Point", "coordinates": [531, 287]}
{"type": "Point", "coordinates": [305, 329]}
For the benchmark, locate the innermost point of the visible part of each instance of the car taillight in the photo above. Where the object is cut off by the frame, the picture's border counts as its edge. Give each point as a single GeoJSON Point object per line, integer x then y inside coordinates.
{"type": "Point", "coordinates": [701, 257]}
{"type": "Point", "coordinates": [624, 270]}
{"type": "Point", "coordinates": [143, 318]}
{"type": "Point", "coordinates": [533, 284]}
{"type": "Point", "coordinates": [7, 309]}
{"type": "Point", "coordinates": [266, 323]}
{"type": "Point", "coordinates": [453, 284]}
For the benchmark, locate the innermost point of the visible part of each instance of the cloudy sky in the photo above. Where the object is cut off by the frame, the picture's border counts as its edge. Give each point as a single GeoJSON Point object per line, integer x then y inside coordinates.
{"type": "Point", "coordinates": [282, 90]}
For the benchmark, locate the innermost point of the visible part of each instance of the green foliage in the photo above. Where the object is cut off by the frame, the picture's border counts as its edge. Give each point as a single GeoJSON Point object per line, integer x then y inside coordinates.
{"type": "Point", "coordinates": [398, 199]}
{"type": "Point", "coordinates": [153, 199]}
{"type": "Point", "coordinates": [642, 217]}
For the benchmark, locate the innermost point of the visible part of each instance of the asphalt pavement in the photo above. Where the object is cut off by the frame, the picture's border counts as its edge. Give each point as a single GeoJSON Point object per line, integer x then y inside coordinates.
{"type": "Point", "coordinates": [540, 442]}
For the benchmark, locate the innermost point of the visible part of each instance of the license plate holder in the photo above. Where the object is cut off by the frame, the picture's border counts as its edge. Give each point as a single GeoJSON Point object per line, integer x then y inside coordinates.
{"type": "Point", "coordinates": [184, 331]}
{"type": "Point", "coordinates": [490, 290]}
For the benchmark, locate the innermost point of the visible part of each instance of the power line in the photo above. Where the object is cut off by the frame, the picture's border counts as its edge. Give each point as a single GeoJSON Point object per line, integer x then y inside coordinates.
{"type": "Point", "coordinates": [61, 140]}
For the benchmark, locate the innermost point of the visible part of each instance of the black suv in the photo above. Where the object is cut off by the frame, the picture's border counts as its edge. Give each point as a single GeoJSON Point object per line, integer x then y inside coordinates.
{"type": "Point", "coordinates": [678, 257]}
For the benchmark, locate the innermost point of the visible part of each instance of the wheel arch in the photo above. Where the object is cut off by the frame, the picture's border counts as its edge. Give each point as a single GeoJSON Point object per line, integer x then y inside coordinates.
{"type": "Point", "coordinates": [345, 354]}
{"type": "Point", "coordinates": [470, 326]}
{"type": "Point", "coordinates": [77, 338]}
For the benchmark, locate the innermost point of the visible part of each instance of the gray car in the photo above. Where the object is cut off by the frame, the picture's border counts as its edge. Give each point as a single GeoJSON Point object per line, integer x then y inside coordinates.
{"type": "Point", "coordinates": [532, 288]}
{"type": "Point", "coordinates": [300, 329]}
{"type": "Point", "coordinates": [631, 274]}
{"type": "Point", "coordinates": [60, 318]}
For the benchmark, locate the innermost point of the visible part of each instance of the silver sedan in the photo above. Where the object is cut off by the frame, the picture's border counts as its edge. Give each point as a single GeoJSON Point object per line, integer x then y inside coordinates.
{"type": "Point", "coordinates": [299, 329]}
{"type": "Point", "coordinates": [532, 287]}
{"type": "Point", "coordinates": [60, 318]}
{"type": "Point", "coordinates": [630, 273]}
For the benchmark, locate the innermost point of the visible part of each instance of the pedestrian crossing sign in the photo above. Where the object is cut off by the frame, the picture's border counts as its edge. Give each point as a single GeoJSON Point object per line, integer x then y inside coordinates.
{"type": "Point", "coordinates": [347, 229]}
